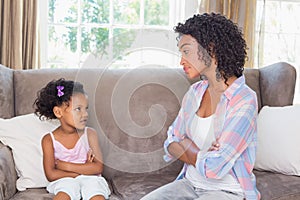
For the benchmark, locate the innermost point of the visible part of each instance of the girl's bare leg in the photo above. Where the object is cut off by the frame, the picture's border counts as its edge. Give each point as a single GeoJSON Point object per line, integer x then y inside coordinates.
{"type": "Point", "coordinates": [61, 196]}
{"type": "Point", "coordinates": [97, 197]}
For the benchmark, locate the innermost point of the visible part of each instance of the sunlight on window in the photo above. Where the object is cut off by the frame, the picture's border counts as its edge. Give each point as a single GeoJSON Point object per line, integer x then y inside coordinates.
{"type": "Point", "coordinates": [138, 48]}
{"type": "Point", "coordinates": [77, 28]}
{"type": "Point", "coordinates": [278, 34]}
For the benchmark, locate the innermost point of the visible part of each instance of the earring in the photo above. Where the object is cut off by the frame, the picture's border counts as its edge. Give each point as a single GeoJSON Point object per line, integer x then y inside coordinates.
{"type": "Point", "coordinates": [218, 75]}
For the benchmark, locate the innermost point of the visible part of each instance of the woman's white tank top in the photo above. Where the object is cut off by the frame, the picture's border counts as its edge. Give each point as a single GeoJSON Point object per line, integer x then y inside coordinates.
{"type": "Point", "coordinates": [203, 135]}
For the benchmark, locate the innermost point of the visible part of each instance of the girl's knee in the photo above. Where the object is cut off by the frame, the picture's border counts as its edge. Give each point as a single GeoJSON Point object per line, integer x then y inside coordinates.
{"type": "Point", "coordinates": [68, 186]}
{"type": "Point", "coordinates": [97, 197]}
{"type": "Point", "coordinates": [73, 189]}
{"type": "Point", "coordinates": [95, 188]}
{"type": "Point", "coordinates": [61, 195]}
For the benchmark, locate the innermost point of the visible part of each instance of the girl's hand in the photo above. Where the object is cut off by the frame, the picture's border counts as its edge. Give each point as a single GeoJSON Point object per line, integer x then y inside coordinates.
{"type": "Point", "coordinates": [90, 156]}
{"type": "Point", "coordinates": [62, 165]}
{"type": "Point", "coordinates": [215, 146]}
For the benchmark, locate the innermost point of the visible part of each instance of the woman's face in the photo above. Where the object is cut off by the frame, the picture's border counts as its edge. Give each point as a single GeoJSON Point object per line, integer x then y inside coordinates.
{"type": "Point", "coordinates": [192, 65]}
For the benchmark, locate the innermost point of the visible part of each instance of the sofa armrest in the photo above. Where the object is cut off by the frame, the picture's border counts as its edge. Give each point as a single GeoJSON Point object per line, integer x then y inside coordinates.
{"type": "Point", "coordinates": [8, 175]}
{"type": "Point", "coordinates": [6, 92]}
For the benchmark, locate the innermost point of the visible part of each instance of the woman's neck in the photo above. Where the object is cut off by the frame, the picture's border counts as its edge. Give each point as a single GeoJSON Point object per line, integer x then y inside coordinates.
{"type": "Point", "coordinates": [216, 87]}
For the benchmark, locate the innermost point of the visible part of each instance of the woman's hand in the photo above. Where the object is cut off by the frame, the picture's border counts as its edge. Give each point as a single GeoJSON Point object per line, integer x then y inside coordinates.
{"type": "Point", "coordinates": [215, 146]}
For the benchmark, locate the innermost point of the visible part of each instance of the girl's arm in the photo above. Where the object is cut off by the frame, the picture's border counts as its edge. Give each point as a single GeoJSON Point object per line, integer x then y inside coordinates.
{"type": "Point", "coordinates": [93, 166]}
{"type": "Point", "coordinates": [51, 172]}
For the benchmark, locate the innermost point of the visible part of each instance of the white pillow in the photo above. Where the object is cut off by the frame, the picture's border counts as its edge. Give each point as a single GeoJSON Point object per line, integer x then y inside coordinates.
{"type": "Point", "coordinates": [23, 135]}
{"type": "Point", "coordinates": [278, 148]}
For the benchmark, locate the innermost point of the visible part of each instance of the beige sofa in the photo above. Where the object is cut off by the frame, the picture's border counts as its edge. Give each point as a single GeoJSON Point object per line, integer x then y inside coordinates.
{"type": "Point", "coordinates": [131, 109]}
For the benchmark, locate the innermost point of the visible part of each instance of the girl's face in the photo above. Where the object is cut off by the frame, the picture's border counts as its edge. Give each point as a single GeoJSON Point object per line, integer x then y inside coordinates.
{"type": "Point", "coordinates": [76, 114]}
{"type": "Point", "coordinates": [192, 65]}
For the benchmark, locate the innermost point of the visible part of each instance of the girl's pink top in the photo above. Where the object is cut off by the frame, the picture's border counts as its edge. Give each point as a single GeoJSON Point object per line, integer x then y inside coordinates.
{"type": "Point", "coordinates": [78, 154]}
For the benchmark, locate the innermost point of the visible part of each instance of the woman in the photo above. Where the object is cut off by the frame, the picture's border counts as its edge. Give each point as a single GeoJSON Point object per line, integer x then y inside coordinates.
{"type": "Point", "coordinates": [214, 133]}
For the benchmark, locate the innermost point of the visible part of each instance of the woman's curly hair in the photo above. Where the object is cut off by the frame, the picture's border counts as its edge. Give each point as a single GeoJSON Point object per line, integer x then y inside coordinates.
{"type": "Point", "coordinates": [220, 38]}
{"type": "Point", "coordinates": [50, 96]}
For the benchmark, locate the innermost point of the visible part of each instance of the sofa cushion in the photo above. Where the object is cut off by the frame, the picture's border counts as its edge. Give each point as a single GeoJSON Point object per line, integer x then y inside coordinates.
{"type": "Point", "coordinates": [277, 186]}
{"type": "Point", "coordinates": [42, 194]}
{"type": "Point", "coordinates": [271, 185]}
{"type": "Point", "coordinates": [134, 186]}
{"type": "Point", "coordinates": [23, 135]}
{"type": "Point", "coordinates": [36, 194]}
{"type": "Point", "coordinates": [278, 140]}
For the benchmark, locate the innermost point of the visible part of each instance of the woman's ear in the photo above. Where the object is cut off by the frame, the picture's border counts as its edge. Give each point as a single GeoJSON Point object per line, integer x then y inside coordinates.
{"type": "Point", "coordinates": [57, 112]}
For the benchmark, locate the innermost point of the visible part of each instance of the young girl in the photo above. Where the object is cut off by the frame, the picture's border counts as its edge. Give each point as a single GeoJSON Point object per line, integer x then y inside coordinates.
{"type": "Point", "coordinates": [72, 157]}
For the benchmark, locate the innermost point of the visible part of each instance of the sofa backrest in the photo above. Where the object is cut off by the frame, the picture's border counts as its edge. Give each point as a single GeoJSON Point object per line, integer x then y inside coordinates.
{"type": "Point", "coordinates": [132, 108]}
{"type": "Point", "coordinates": [277, 84]}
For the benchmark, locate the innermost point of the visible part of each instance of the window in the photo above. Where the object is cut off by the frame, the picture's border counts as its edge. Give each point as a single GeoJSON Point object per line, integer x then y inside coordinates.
{"type": "Point", "coordinates": [281, 32]}
{"type": "Point", "coordinates": [278, 34]}
{"type": "Point", "coordinates": [73, 29]}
